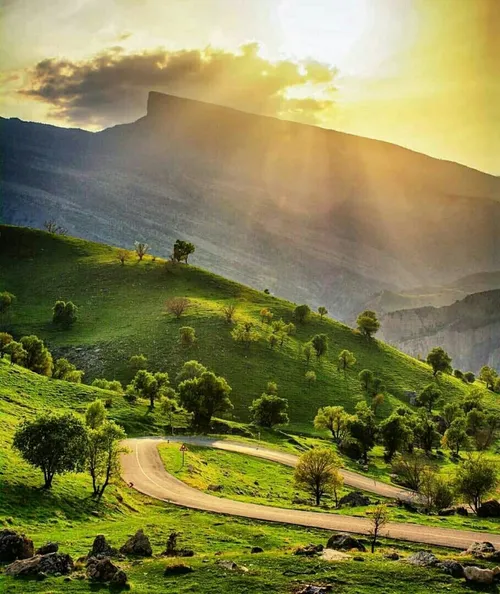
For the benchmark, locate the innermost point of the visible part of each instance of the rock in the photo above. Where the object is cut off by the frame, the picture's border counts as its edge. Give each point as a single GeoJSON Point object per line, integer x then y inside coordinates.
{"type": "Point", "coordinates": [452, 568]}
{"type": "Point", "coordinates": [120, 579]}
{"type": "Point", "coordinates": [215, 488]}
{"type": "Point", "coordinates": [478, 575]}
{"type": "Point", "coordinates": [232, 566]}
{"type": "Point", "coordinates": [309, 550]}
{"type": "Point", "coordinates": [50, 547]}
{"type": "Point", "coordinates": [137, 545]}
{"type": "Point", "coordinates": [50, 564]}
{"type": "Point", "coordinates": [15, 546]}
{"type": "Point", "coordinates": [171, 549]}
{"type": "Point", "coordinates": [311, 589]}
{"type": "Point", "coordinates": [479, 549]}
{"type": "Point", "coordinates": [344, 542]}
{"type": "Point", "coordinates": [447, 511]}
{"type": "Point", "coordinates": [489, 509]}
{"type": "Point", "coordinates": [357, 558]}
{"type": "Point", "coordinates": [462, 511]}
{"type": "Point", "coordinates": [101, 548]}
{"type": "Point", "coordinates": [257, 550]}
{"type": "Point", "coordinates": [355, 499]}
{"type": "Point", "coordinates": [392, 556]}
{"type": "Point", "coordinates": [179, 569]}
{"type": "Point", "coordinates": [331, 555]}
{"type": "Point", "coordinates": [423, 559]}
{"type": "Point", "coordinates": [104, 570]}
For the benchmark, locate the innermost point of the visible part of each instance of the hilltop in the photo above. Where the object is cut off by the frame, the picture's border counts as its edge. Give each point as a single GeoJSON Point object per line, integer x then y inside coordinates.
{"type": "Point", "coordinates": [122, 313]}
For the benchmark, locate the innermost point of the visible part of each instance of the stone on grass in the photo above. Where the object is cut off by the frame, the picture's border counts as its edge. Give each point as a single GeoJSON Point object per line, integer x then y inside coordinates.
{"type": "Point", "coordinates": [309, 550]}
{"type": "Point", "coordinates": [101, 548]}
{"type": "Point", "coordinates": [50, 547]}
{"type": "Point", "coordinates": [462, 511]}
{"type": "Point", "coordinates": [355, 499]}
{"type": "Point", "coordinates": [14, 545]}
{"type": "Point", "coordinates": [344, 542]}
{"type": "Point", "coordinates": [41, 565]}
{"type": "Point", "coordinates": [489, 509]}
{"type": "Point", "coordinates": [138, 545]}
{"type": "Point", "coordinates": [479, 549]}
{"type": "Point", "coordinates": [332, 555]}
{"type": "Point", "coordinates": [423, 559]}
{"type": "Point", "coordinates": [478, 575]}
{"type": "Point", "coordinates": [232, 566]}
{"type": "Point", "coordinates": [452, 568]}
{"type": "Point", "coordinates": [119, 580]}
{"type": "Point", "coordinates": [104, 570]}
{"type": "Point", "coordinates": [392, 556]}
{"type": "Point", "coordinates": [257, 550]}
{"type": "Point", "coordinates": [179, 569]}
{"type": "Point", "coordinates": [312, 589]}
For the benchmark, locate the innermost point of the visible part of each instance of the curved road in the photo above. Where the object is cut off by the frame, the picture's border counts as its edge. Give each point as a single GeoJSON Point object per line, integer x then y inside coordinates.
{"type": "Point", "coordinates": [143, 467]}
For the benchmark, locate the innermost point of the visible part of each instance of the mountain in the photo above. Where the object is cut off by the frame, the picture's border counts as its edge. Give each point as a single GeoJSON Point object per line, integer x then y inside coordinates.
{"type": "Point", "coordinates": [469, 330]}
{"type": "Point", "coordinates": [314, 215]}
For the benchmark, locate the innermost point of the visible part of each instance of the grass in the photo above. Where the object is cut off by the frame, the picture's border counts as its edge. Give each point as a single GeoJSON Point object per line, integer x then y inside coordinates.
{"type": "Point", "coordinates": [122, 313]}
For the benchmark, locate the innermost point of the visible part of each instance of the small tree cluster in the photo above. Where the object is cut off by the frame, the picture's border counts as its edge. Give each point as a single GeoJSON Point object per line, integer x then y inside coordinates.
{"type": "Point", "coordinates": [182, 251]}
{"type": "Point", "coordinates": [64, 313]}
{"type": "Point", "coordinates": [270, 410]}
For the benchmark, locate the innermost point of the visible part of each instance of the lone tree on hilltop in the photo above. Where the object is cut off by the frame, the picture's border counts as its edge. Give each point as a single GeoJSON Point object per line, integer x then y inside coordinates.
{"type": "Point", "coordinates": [439, 360]}
{"type": "Point", "coordinates": [317, 472]}
{"type": "Point", "coordinates": [64, 313]}
{"type": "Point", "coordinates": [53, 443]}
{"type": "Point", "coordinates": [204, 396]}
{"type": "Point", "coordinates": [322, 311]}
{"type": "Point", "coordinates": [302, 313]}
{"type": "Point", "coordinates": [368, 323]}
{"type": "Point", "coordinates": [177, 306]}
{"type": "Point", "coordinates": [141, 249]}
{"type": "Point", "coordinates": [182, 251]}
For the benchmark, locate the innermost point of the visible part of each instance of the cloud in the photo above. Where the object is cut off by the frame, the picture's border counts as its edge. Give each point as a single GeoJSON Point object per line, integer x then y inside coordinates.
{"type": "Point", "coordinates": [112, 86]}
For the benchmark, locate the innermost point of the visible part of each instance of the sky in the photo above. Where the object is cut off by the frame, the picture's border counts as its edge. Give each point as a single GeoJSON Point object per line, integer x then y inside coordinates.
{"type": "Point", "coordinates": [424, 74]}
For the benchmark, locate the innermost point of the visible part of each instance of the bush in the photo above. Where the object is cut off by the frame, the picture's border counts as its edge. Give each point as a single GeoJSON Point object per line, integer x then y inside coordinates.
{"type": "Point", "coordinates": [64, 313]}
{"type": "Point", "coordinates": [177, 306]}
{"type": "Point", "coordinates": [188, 337]}
{"type": "Point", "coordinates": [137, 362]}
{"type": "Point", "coordinates": [351, 448]}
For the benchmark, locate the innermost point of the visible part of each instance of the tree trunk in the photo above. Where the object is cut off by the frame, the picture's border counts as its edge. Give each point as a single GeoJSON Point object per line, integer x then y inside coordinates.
{"type": "Point", "coordinates": [373, 544]}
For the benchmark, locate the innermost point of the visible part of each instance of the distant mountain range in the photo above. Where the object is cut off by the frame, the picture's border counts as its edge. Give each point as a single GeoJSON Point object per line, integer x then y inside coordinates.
{"type": "Point", "coordinates": [314, 215]}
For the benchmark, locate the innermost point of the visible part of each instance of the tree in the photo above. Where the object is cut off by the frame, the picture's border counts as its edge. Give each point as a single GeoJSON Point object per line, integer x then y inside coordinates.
{"type": "Point", "coordinates": [96, 414]}
{"type": "Point", "coordinates": [38, 357]}
{"type": "Point", "coordinates": [428, 397]}
{"type": "Point", "coordinates": [320, 344]}
{"type": "Point", "coordinates": [363, 429]}
{"type": "Point", "coordinates": [182, 251]}
{"type": "Point", "coordinates": [458, 374]}
{"type": "Point", "coordinates": [335, 419]}
{"type": "Point", "coordinates": [473, 400]}
{"type": "Point", "coordinates": [137, 362]}
{"type": "Point", "coordinates": [308, 351]}
{"type": "Point", "coordinates": [310, 378]}
{"type": "Point", "coordinates": [266, 315]}
{"type": "Point", "coordinates": [273, 340]}
{"type": "Point", "coordinates": [366, 378]}
{"type": "Point", "coordinates": [229, 310]}
{"type": "Point", "coordinates": [322, 311]}
{"type": "Point", "coordinates": [378, 519]}
{"type": "Point", "coordinates": [377, 402]}
{"type": "Point", "coordinates": [488, 375]}
{"type": "Point", "coordinates": [425, 431]}
{"type": "Point", "coordinates": [53, 443]}
{"type": "Point", "coordinates": [52, 227]}
{"type": "Point", "coordinates": [5, 340]}
{"type": "Point", "coordinates": [368, 323]}
{"type": "Point", "coordinates": [436, 491]}
{"type": "Point", "coordinates": [245, 333]}
{"type": "Point", "coordinates": [187, 335]}
{"type": "Point", "coordinates": [177, 306]}
{"type": "Point", "coordinates": [496, 387]}
{"type": "Point", "coordinates": [141, 249]}
{"type": "Point", "coordinates": [409, 469]}
{"type": "Point", "coordinates": [302, 313]}
{"type": "Point", "coordinates": [476, 478]}
{"type": "Point", "coordinates": [470, 377]}
{"type": "Point", "coordinates": [346, 360]}
{"type": "Point", "coordinates": [149, 385]}
{"type": "Point", "coordinates": [204, 396]}
{"type": "Point", "coordinates": [15, 350]}
{"type": "Point", "coordinates": [64, 370]}
{"type": "Point", "coordinates": [121, 256]}
{"type": "Point", "coordinates": [6, 301]}
{"type": "Point", "coordinates": [395, 435]}
{"type": "Point", "coordinates": [190, 370]}
{"type": "Point", "coordinates": [64, 313]}
{"type": "Point", "coordinates": [269, 410]}
{"type": "Point", "coordinates": [439, 360]}
{"type": "Point", "coordinates": [455, 437]}
{"type": "Point", "coordinates": [317, 472]}
{"type": "Point", "coordinates": [104, 384]}
{"type": "Point", "coordinates": [272, 388]}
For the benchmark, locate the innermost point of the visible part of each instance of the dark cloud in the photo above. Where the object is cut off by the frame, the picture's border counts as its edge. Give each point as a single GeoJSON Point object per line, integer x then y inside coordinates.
{"type": "Point", "coordinates": [112, 86]}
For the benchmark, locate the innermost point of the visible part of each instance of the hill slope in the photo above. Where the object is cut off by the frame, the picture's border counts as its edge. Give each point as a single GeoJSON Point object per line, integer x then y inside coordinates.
{"type": "Point", "coordinates": [312, 214]}
{"type": "Point", "coordinates": [122, 313]}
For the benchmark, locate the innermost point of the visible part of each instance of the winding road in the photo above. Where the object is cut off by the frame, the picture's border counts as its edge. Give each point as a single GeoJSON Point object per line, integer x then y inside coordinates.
{"type": "Point", "coordinates": [143, 467]}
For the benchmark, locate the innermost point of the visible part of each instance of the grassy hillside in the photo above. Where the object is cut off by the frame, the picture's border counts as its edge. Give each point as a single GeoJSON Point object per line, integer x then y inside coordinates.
{"type": "Point", "coordinates": [122, 313]}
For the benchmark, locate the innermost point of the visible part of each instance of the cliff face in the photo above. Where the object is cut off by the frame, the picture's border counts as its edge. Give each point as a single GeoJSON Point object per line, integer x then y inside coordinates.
{"type": "Point", "coordinates": [469, 330]}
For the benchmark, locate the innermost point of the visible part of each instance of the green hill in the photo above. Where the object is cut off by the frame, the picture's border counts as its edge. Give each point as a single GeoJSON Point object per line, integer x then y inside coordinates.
{"type": "Point", "coordinates": [122, 313]}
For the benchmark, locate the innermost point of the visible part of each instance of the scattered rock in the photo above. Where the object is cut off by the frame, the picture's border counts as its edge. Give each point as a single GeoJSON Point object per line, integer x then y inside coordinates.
{"type": "Point", "coordinates": [392, 556]}
{"type": "Point", "coordinates": [179, 569]}
{"type": "Point", "coordinates": [489, 509]}
{"type": "Point", "coordinates": [478, 575]}
{"type": "Point", "coordinates": [423, 559]}
{"type": "Point", "coordinates": [50, 564]}
{"type": "Point", "coordinates": [311, 589]}
{"type": "Point", "coordinates": [215, 488]}
{"type": "Point", "coordinates": [120, 579]}
{"type": "Point", "coordinates": [479, 549]}
{"type": "Point", "coordinates": [15, 546]}
{"type": "Point", "coordinates": [447, 511]}
{"type": "Point", "coordinates": [50, 547]}
{"type": "Point", "coordinates": [331, 555]}
{"type": "Point", "coordinates": [355, 499]}
{"type": "Point", "coordinates": [232, 566]}
{"type": "Point", "coordinates": [358, 558]}
{"type": "Point", "coordinates": [344, 542]}
{"type": "Point", "coordinates": [257, 550]}
{"type": "Point", "coordinates": [171, 549]}
{"type": "Point", "coordinates": [309, 550]}
{"type": "Point", "coordinates": [452, 568]}
{"type": "Point", "coordinates": [104, 570]}
{"type": "Point", "coordinates": [101, 548]}
{"type": "Point", "coordinates": [137, 545]}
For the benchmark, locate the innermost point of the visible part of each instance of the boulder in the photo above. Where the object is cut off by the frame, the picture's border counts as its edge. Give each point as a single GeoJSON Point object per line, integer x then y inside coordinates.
{"type": "Point", "coordinates": [461, 511]}
{"type": "Point", "coordinates": [392, 556]}
{"type": "Point", "coordinates": [179, 569]}
{"type": "Point", "coordinates": [101, 548]}
{"type": "Point", "coordinates": [257, 550]}
{"type": "Point", "coordinates": [489, 509]}
{"type": "Point", "coordinates": [355, 499]}
{"type": "Point", "coordinates": [232, 566]}
{"type": "Point", "coordinates": [215, 488]}
{"type": "Point", "coordinates": [480, 549]}
{"type": "Point", "coordinates": [104, 570]}
{"type": "Point", "coordinates": [311, 589]}
{"type": "Point", "coordinates": [331, 555]}
{"type": "Point", "coordinates": [119, 580]}
{"type": "Point", "coordinates": [309, 550]}
{"type": "Point", "coordinates": [423, 559]}
{"type": "Point", "coordinates": [50, 547]}
{"type": "Point", "coordinates": [171, 549]}
{"type": "Point", "coordinates": [452, 568]}
{"type": "Point", "coordinates": [138, 545]}
{"type": "Point", "coordinates": [15, 546]}
{"type": "Point", "coordinates": [478, 575]}
{"type": "Point", "coordinates": [41, 566]}
{"type": "Point", "coordinates": [344, 542]}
